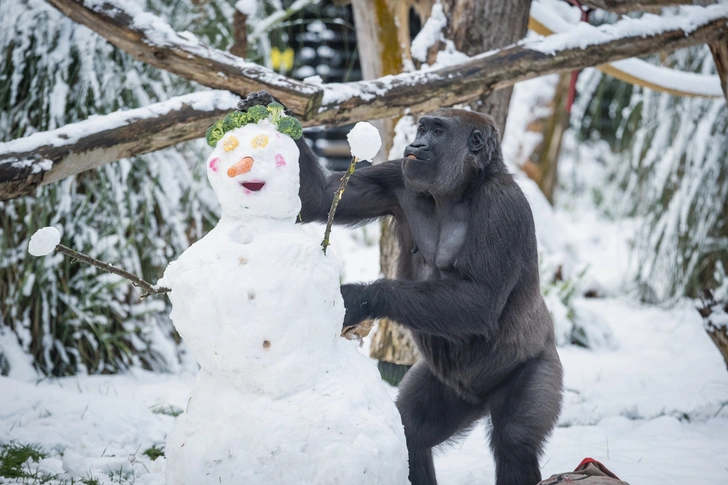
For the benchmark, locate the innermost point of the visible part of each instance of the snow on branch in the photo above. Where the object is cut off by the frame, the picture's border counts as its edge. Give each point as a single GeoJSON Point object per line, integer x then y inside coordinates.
{"type": "Point", "coordinates": [46, 157]}
{"type": "Point", "coordinates": [624, 6]}
{"type": "Point", "coordinates": [546, 19]}
{"type": "Point", "coordinates": [583, 47]}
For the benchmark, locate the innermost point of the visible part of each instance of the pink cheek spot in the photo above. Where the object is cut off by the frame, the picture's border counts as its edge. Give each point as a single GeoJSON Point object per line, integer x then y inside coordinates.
{"type": "Point", "coordinates": [280, 162]}
{"type": "Point", "coordinates": [278, 135]}
{"type": "Point", "coordinates": [214, 163]}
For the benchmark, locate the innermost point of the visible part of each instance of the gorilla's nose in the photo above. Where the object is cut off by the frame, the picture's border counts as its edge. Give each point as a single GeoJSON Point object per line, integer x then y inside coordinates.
{"type": "Point", "coordinates": [411, 151]}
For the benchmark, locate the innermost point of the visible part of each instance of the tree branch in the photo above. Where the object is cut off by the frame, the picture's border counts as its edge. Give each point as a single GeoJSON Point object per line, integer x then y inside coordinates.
{"type": "Point", "coordinates": [425, 91]}
{"type": "Point", "coordinates": [149, 288]}
{"type": "Point", "coordinates": [335, 202]}
{"type": "Point", "coordinates": [46, 157]}
{"type": "Point", "coordinates": [624, 6]}
{"type": "Point", "coordinates": [151, 40]}
{"type": "Point", "coordinates": [719, 49]}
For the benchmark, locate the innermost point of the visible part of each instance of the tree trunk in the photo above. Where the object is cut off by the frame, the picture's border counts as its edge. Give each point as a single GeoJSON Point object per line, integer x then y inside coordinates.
{"type": "Point", "coordinates": [719, 49]}
{"type": "Point", "coordinates": [715, 322]}
{"type": "Point", "coordinates": [377, 38]}
{"type": "Point", "coordinates": [541, 165]}
{"type": "Point", "coordinates": [477, 26]}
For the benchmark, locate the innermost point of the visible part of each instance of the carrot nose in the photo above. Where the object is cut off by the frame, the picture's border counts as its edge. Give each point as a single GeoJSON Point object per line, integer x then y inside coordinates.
{"type": "Point", "coordinates": [240, 167]}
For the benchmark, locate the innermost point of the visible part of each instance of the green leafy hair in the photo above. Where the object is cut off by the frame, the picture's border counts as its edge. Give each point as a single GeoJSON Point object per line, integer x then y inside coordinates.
{"type": "Point", "coordinates": [274, 112]}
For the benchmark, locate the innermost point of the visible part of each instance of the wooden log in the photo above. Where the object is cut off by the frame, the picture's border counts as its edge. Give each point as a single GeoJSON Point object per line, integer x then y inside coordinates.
{"type": "Point", "coordinates": [625, 6]}
{"type": "Point", "coordinates": [240, 34]}
{"type": "Point", "coordinates": [719, 49]}
{"type": "Point", "coordinates": [21, 169]}
{"type": "Point", "coordinates": [46, 157]}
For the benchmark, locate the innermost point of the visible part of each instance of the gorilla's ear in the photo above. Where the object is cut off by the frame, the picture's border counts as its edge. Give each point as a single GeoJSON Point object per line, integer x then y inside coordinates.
{"type": "Point", "coordinates": [476, 141]}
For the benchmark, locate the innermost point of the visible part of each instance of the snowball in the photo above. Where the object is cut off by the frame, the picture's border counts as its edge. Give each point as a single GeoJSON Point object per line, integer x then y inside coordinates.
{"type": "Point", "coordinates": [246, 7]}
{"type": "Point", "coordinates": [44, 241]}
{"type": "Point", "coordinates": [364, 140]}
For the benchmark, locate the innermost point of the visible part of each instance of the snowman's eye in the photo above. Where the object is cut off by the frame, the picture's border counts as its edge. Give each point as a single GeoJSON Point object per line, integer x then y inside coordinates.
{"type": "Point", "coordinates": [259, 141]}
{"type": "Point", "coordinates": [230, 143]}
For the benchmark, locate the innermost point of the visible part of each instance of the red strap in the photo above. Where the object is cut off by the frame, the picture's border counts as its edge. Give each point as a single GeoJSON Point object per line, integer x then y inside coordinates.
{"type": "Point", "coordinates": [599, 465]}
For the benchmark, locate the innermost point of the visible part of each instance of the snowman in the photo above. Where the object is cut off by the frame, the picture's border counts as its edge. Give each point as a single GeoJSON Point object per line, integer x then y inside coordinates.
{"type": "Point", "coordinates": [280, 397]}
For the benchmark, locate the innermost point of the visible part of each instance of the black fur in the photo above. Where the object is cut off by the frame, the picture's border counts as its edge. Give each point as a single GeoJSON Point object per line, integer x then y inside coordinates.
{"type": "Point", "coordinates": [467, 288]}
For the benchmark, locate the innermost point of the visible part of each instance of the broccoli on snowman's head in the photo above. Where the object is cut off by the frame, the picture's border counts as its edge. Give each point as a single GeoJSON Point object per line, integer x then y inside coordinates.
{"type": "Point", "coordinates": [253, 168]}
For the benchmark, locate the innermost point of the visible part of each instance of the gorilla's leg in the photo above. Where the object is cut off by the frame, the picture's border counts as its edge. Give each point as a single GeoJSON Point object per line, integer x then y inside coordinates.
{"type": "Point", "coordinates": [431, 413]}
{"type": "Point", "coordinates": [524, 412]}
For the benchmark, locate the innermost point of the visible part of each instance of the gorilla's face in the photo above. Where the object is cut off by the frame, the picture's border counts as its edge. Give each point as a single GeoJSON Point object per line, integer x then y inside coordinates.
{"type": "Point", "coordinates": [445, 154]}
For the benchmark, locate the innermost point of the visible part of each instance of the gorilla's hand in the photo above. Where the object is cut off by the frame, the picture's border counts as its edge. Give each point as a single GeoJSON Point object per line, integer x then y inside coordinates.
{"type": "Point", "coordinates": [356, 304]}
{"type": "Point", "coordinates": [262, 98]}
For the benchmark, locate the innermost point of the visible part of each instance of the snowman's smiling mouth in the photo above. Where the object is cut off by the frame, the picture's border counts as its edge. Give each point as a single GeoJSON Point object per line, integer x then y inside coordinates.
{"type": "Point", "coordinates": [253, 186]}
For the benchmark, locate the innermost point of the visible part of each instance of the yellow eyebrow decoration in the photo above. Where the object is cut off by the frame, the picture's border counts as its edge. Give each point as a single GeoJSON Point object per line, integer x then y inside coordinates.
{"type": "Point", "coordinates": [259, 141]}
{"type": "Point", "coordinates": [230, 143]}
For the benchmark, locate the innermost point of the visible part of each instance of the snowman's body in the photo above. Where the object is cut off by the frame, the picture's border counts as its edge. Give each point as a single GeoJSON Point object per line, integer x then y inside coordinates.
{"type": "Point", "coordinates": [280, 398]}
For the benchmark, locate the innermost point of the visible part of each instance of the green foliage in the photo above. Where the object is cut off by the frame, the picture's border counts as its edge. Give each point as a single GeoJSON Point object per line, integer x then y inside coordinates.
{"type": "Point", "coordinates": [167, 410]}
{"type": "Point", "coordinates": [236, 119]}
{"type": "Point", "coordinates": [137, 213]}
{"type": "Point", "coordinates": [274, 112]}
{"type": "Point", "coordinates": [290, 126]}
{"type": "Point", "coordinates": [13, 458]}
{"type": "Point", "coordinates": [667, 167]}
{"type": "Point", "coordinates": [257, 113]}
{"type": "Point", "coordinates": [559, 293]}
{"type": "Point", "coordinates": [215, 133]}
{"type": "Point", "coordinates": [154, 452]}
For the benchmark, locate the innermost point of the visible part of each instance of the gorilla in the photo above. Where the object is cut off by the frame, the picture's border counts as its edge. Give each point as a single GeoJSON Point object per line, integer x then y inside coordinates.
{"type": "Point", "coordinates": [467, 287]}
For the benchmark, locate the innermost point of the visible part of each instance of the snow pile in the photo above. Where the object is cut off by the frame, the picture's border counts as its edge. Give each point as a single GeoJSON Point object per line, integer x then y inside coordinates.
{"type": "Point", "coordinates": [44, 241]}
{"type": "Point", "coordinates": [259, 304]}
{"type": "Point", "coordinates": [364, 141]}
{"type": "Point", "coordinates": [430, 33]}
{"type": "Point", "coordinates": [247, 7]}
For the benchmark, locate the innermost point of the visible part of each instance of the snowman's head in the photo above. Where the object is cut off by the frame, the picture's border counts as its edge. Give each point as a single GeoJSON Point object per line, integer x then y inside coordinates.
{"type": "Point", "coordinates": [254, 172]}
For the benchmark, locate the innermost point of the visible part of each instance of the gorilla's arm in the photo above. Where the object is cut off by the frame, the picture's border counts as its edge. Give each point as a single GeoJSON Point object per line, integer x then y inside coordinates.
{"type": "Point", "coordinates": [369, 194]}
{"type": "Point", "coordinates": [447, 308]}
{"type": "Point", "coordinates": [472, 298]}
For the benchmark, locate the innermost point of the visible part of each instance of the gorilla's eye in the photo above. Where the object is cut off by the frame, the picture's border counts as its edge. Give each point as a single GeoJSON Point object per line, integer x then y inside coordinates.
{"type": "Point", "coordinates": [437, 131]}
{"type": "Point", "coordinates": [421, 129]}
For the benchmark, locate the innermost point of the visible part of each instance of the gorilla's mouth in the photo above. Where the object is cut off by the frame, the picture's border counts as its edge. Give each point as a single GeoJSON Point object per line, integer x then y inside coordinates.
{"type": "Point", "coordinates": [253, 186]}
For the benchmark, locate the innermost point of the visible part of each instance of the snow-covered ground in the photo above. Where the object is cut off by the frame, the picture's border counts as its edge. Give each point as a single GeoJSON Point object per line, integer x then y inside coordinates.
{"type": "Point", "coordinates": [653, 408]}
{"type": "Point", "coordinates": [651, 402]}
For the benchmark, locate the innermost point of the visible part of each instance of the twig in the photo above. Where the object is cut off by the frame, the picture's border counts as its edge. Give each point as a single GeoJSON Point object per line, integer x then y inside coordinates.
{"type": "Point", "coordinates": [335, 202]}
{"type": "Point", "coordinates": [135, 280]}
